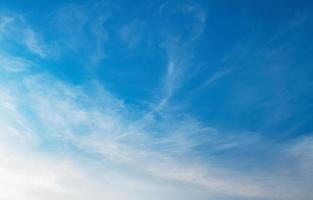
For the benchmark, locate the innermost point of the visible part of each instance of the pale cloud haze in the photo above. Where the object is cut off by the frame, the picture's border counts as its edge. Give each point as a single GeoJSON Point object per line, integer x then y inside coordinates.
{"type": "Point", "coordinates": [157, 103]}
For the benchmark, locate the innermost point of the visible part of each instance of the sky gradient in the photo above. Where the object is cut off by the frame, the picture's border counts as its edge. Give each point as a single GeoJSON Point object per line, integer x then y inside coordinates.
{"type": "Point", "coordinates": [150, 100]}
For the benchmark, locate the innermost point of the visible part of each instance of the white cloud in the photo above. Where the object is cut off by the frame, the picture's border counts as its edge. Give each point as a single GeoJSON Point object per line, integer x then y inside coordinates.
{"type": "Point", "coordinates": [178, 42]}
{"type": "Point", "coordinates": [14, 64]}
{"type": "Point", "coordinates": [4, 22]}
{"type": "Point", "coordinates": [59, 141]}
{"type": "Point", "coordinates": [125, 159]}
{"type": "Point", "coordinates": [14, 29]}
{"type": "Point", "coordinates": [34, 45]}
{"type": "Point", "coordinates": [81, 29]}
{"type": "Point", "coordinates": [302, 150]}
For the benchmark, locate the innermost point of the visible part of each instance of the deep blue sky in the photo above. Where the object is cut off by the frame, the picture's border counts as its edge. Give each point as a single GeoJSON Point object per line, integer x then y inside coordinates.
{"type": "Point", "coordinates": [226, 85]}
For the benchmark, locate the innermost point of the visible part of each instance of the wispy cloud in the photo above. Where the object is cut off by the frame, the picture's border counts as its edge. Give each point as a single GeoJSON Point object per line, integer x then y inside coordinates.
{"type": "Point", "coordinates": [14, 64]}
{"type": "Point", "coordinates": [63, 141]}
{"type": "Point", "coordinates": [81, 29]}
{"type": "Point", "coordinates": [14, 29]}
{"type": "Point", "coordinates": [4, 22]}
{"type": "Point", "coordinates": [72, 119]}
{"type": "Point", "coordinates": [34, 45]}
{"type": "Point", "coordinates": [75, 32]}
{"type": "Point", "coordinates": [178, 46]}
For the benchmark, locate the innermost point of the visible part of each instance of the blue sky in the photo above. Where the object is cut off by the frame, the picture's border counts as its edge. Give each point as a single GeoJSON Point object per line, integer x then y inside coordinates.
{"type": "Point", "coordinates": [146, 100]}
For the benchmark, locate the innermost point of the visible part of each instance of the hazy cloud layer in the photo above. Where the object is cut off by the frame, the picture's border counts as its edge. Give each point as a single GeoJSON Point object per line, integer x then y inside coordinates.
{"type": "Point", "coordinates": [77, 139]}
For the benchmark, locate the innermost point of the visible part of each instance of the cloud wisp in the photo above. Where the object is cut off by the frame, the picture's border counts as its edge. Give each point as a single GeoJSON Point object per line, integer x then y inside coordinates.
{"type": "Point", "coordinates": [47, 111]}
{"type": "Point", "coordinates": [60, 140]}
{"type": "Point", "coordinates": [15, 30]}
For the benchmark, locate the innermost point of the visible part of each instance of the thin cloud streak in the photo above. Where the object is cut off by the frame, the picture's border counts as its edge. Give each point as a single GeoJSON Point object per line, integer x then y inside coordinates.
{"type": "Point", "coordinates": [63, 141]}
{"type": "Point", "coordinates": [14, 28]}
{"type": "Point", "coordinates": [109, 133]}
